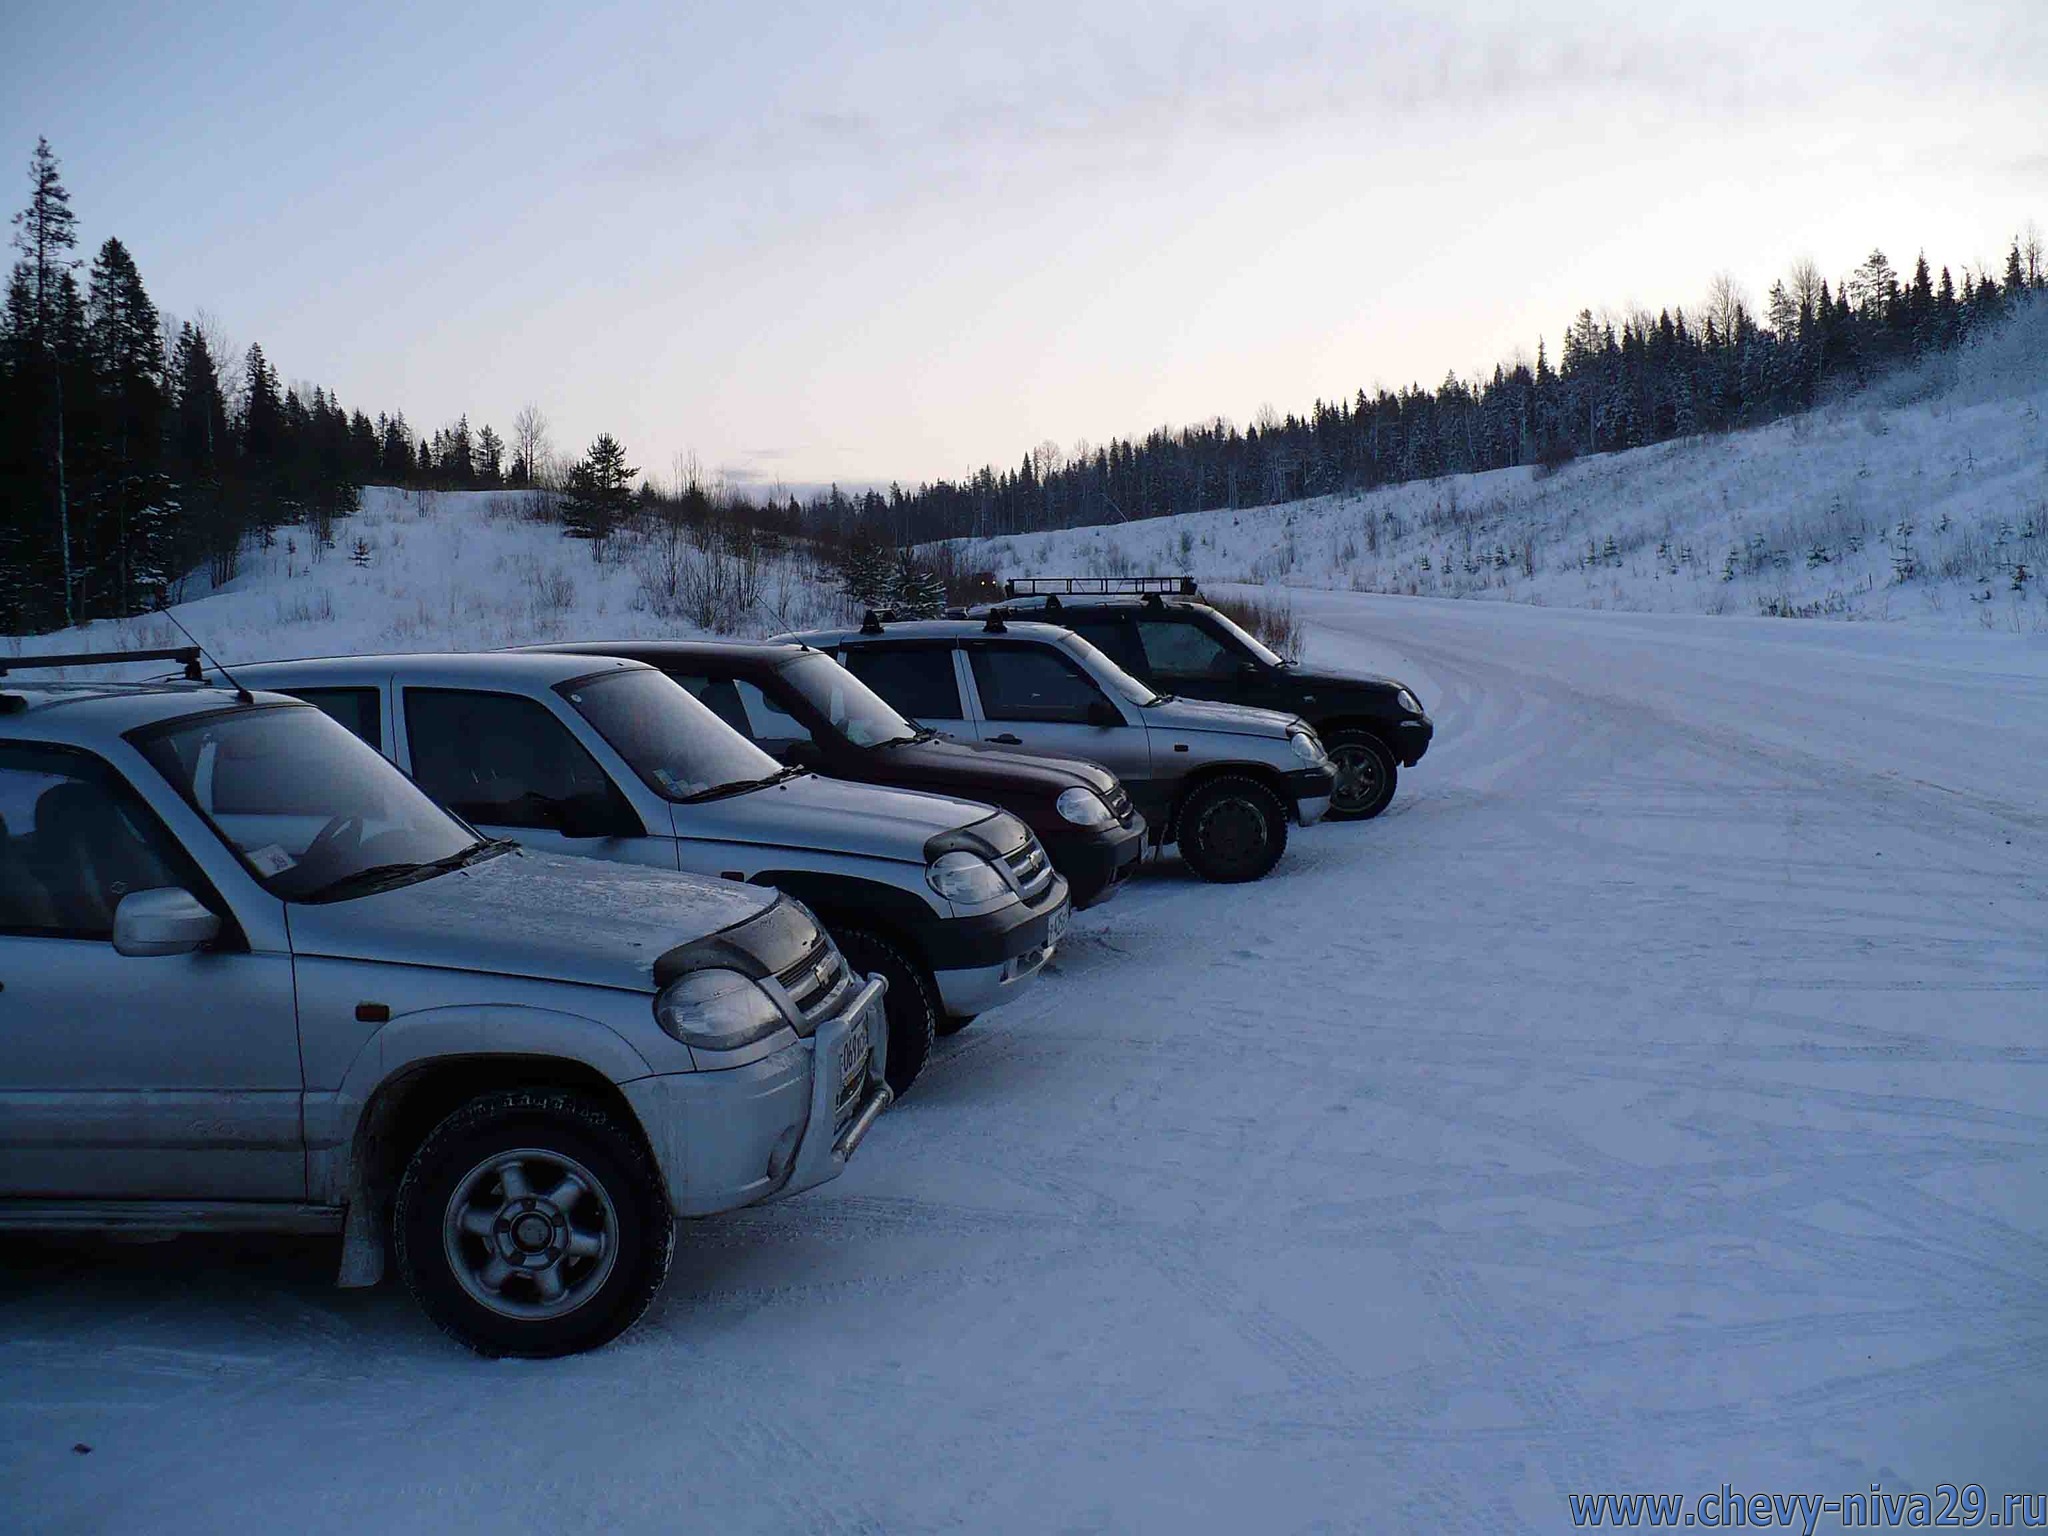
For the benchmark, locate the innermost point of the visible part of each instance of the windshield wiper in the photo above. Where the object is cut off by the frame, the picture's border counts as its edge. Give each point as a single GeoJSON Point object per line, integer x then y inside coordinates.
{"type": "Point", "coordinates": [379, 877]}
{"type": "Point", "coordinates": [741, 786]}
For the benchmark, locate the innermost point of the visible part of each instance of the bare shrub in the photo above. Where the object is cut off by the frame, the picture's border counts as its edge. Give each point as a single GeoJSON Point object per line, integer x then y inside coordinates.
{"type": "Point", "coordinates": [1272, 619]}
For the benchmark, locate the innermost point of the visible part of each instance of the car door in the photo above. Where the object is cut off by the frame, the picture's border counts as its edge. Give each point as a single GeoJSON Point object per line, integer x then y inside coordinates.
{"type": "Point", "coordinates": [1183, 657]}
{"type": "Point", "coordinates": [919, 680]}
{"type": "Point", "coordinates": [1035, 698]}
{"type": "Point", "coordinates": [511, 767]}
{"type": "Point", "coordinates": [130, 1077]}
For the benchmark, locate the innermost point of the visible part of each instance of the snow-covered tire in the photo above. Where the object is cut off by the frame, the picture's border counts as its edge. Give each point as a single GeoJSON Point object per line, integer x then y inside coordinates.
{"type": "Point", "coordinates": [1366, 775]}
{"type": "Point", "coordinates": [1232, 829]}
{"type": "Point", "coordinates": [524, 1193]}
{"type": "Point", "coordinates": [911, 1004]}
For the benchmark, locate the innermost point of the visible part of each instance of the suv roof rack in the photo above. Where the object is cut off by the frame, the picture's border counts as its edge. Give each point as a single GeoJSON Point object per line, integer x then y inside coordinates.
{"type": "Point", "coordinates": [187, 655]}
{"type": "Point", "coordinates": [871, 622]}
{"type": "Point", "coordinates": [995, 624]}
{"type": "Point", "coordinates": [1100, 586]}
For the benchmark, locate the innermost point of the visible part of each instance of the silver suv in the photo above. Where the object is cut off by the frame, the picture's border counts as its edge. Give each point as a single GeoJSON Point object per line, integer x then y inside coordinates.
{"type": "Point", "coordinates": [252, 979]}
{"type": "Point", "coordinates": [1220, 779]}
{"type": "Point", "coordinates": [955, 903]}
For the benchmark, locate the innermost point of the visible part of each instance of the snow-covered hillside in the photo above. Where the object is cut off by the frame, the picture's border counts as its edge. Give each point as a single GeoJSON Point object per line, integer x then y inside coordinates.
{"type": "Point", "coordinates": [1652, 1099]}
{"type": "Point", "coordinates": [460, 570]}
{"type": "Point", "coordinates": [1925, 499]}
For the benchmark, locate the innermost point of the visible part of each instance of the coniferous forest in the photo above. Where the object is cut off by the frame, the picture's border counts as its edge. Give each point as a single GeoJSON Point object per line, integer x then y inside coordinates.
{"type": "Point", "coordinates": [136, 452]}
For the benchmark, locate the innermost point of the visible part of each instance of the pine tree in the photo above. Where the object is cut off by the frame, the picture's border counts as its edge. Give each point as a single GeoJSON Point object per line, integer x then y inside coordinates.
{"type": "Point", "coordinates": [917, 591]}
{"type": "Point", "coordinates": [133, 495]}
{"type": "Point", "coordinates": [600, 490]}
{"type": "Point", "coordinates": [866, 575]}
{"type": "Point", "coordinates": [490, 458]}
{"type": "Point", "coordinates": [45, 232]}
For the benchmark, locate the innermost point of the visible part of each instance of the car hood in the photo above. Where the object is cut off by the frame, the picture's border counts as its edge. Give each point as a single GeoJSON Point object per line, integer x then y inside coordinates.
{"type": "Point", "coordinates": [1343, 682]}
{"type": "Point", "coordinates": [531, 914]}
{"type": "Point", "coordinates": [1183, 714]}
{"type": "Point", "coordinates": [824, 815]}
{"type": "Point", "coordinates": [972, 769]}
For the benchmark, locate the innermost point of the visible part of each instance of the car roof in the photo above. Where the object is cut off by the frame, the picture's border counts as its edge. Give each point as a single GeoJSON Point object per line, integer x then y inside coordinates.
{"type": "Point", "coordinates": [531, 669]}
{"type": "Point", "coordinates": [85, 712]}
{"type": "Point", "coordinates": [751, 653]}
{"type": "Point", "coordinates": [932, 629]}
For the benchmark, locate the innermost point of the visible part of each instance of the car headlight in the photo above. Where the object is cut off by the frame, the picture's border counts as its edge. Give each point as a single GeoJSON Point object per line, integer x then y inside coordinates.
{"type": "Point", "coordinates": [1408, 701]}
{"type": "Point", "coordinates": [1083, 807]}
{"type": "Point", "coordinates": [966, 878]}
{"type": "Point", "coordinates": [717, 1010]}
{"type": "Point", "coordinates": [1305, 746]}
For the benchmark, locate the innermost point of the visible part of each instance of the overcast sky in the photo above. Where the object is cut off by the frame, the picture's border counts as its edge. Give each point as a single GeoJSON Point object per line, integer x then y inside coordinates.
{"type": "Point", "coordinates": [811, 244]}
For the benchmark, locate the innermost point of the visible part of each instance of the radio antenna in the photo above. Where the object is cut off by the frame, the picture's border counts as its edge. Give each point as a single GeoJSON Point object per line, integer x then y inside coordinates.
{"type": "Point", "coordinates": [242, 695]}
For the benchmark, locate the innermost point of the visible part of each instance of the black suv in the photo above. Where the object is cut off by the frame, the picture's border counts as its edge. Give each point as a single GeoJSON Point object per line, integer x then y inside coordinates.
{"type": "Point", "coordinates": [1156, 628]}
{"type": "Point", "coordinates": [800, 706]}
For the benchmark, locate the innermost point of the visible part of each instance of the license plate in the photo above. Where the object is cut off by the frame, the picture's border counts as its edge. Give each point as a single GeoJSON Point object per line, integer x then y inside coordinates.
{"type": "Point", "coordinates": [853, 1052]}
{"type": "Point", "coordinates": [1056, 929]}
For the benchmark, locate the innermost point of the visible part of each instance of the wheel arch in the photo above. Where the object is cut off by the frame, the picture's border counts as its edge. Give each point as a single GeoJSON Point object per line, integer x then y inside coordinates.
{"type": "Point", "coordinates": [1264, 773]}
{"type": "Point", "coordinates": [853, 902]}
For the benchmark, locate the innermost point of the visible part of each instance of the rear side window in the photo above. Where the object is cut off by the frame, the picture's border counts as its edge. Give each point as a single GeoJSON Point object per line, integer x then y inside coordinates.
{"type": "Point", "coordinates": [497, 759]}
{"type": "Point", "coordinates": [355, 708]}
{"type": "Point", "coordinates": [75, 839]}
{"type": "Point", "coordinates": [1113, 638]}
{"type": "Point", "coordinates": [918, 681]}
{"type": "Point", "coordinates": [1031, 683]}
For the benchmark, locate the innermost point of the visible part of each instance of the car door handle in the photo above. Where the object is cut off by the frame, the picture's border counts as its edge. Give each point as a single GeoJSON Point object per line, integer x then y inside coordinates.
{"type": "Point", "coordinates": [1006, 740]}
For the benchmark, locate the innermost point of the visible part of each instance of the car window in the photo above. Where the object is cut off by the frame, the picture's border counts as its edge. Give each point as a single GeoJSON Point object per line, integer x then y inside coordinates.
{"type": "Point", "coordinates": [918, 681]}
{"type": "Point", "coordinates": [75, 839]}
{"type": "Point", "coordinates": [355, 708]}
{"type": "Point", "coordinates": [679, 748]}
{"type": "Point", "coordinates": [718, 695]}
{"type": "Point", "coordinates": [1184, 650]}
{"type": "Point", "coordinates": [308, 808]}
{"type": "Point", "coordinates": [768, 722]}
{"type": "Point", "coordinates": [851, 708]}
{"type": "Point", "coordinates": [497, 759]}
{"type": "Point", "coordinates": [1112, 637]}
{"type": "Point", "coordinates": [1031, 683]}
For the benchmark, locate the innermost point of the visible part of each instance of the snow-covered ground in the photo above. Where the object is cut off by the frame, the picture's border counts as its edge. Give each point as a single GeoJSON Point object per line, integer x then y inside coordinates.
{"type": "Point", "coordinates": [1652, 1099]}
{"type": "Point", "coordinates": [1923, 499]}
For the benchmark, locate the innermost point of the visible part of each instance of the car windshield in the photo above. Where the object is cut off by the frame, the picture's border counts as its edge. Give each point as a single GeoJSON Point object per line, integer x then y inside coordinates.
{"type": "Point", "coordinates": [312, 812]}
{"type": "Point", "coordinates": [856, 711]}
{"type": "Point", "coordinates": [680, 749]}
{"type": "Point", "coordinates": [1246, 638]}
{"type": "Point", "coordinates": [1108, 673]}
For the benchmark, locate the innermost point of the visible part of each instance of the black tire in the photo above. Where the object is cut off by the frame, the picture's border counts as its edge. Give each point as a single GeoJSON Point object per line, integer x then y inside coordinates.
{"type": "Point", "coordinates": [1232, 829]}
{"type": "Point", "coordinates": [623, 1208]}
{"type": "Point", "coordinates": [911, 1004]}
{"type": "Point", "coordinates": [1366, 776]}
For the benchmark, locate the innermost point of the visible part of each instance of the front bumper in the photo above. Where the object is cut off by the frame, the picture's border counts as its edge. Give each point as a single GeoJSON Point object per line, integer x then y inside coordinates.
{"type": "Point", "coordinates": [1411, 738]}
{"type": "Point", "coordinates": [1310, 789]}
{"type": "Point", "coordinates": [1096, 863]}
{"type": "Point", "coordinates": [768, 1130]}
{"type": "Point", "coordinates": [980, 962]}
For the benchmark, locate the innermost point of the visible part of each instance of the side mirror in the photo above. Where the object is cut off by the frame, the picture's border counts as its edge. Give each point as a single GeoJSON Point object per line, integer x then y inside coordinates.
{"type": "Point", "coordinates": [167, 921]}
{"type": "Point", "coordinates": [597, 816]}
{"type": "Point", "coordinates": [1103, 714]}
{"type": "Point", "coordinates": [802, 754]}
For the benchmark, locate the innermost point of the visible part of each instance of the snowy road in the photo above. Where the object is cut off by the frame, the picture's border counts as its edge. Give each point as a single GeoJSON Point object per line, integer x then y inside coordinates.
{"type": "Point", "coordinates": [1655, 1098]}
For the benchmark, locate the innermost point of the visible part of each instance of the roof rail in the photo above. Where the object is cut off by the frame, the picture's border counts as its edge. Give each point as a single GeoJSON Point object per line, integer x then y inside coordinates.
{"type": "Point", "coordinates": [871, 623]}
{"type": "Point", "coordinates": [995, 624]}
{"type": "Point", "coordinates": [186, 655]}
{"type": "Point", "coordinates": [1100, 586]}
